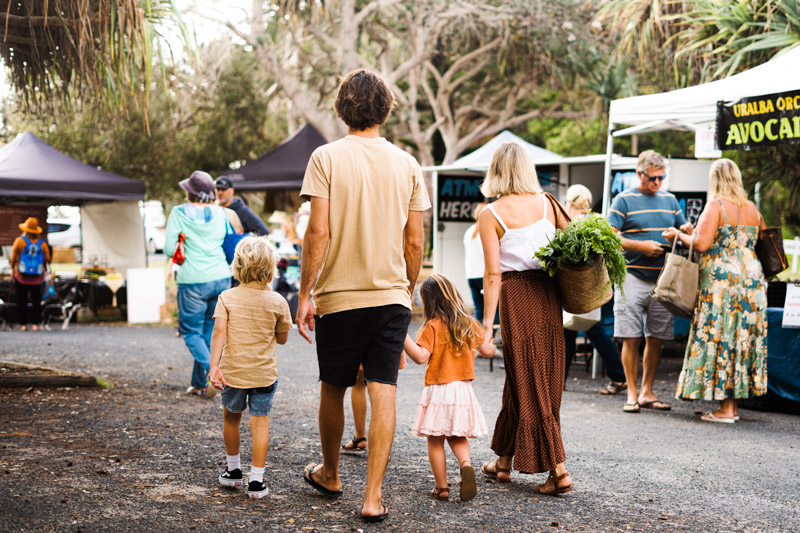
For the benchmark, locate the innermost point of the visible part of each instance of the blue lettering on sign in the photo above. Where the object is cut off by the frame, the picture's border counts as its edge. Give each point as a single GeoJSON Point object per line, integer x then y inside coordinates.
{"type": "Point", "coordinates": [461, 188]}
{"type": "Point", "coordinates": [447, 188]}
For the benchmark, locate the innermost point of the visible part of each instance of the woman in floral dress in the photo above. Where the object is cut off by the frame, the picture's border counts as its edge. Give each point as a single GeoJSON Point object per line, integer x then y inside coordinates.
{"type": "Point", "coordinates": [726, 353]}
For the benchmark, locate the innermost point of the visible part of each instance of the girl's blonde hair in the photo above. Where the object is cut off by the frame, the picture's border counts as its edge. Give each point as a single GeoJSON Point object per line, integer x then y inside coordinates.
{"type": "Point", "coordinates": [440, 299]}
{"type": "Point", "coordinates": [511, 172]}
{"type": "Point", "coordinates": [254, 260]}
{"type": "Point", "coordinates": [725, 182]}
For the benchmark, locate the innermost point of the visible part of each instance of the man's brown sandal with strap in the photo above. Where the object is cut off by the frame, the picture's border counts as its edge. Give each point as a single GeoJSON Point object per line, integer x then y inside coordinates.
{"type": "Point", "coordinates": [441, 493]}
{"type": "Point", "coordinates": [556, 489]}
{"type": "Point", "coordinates": [502, 475]}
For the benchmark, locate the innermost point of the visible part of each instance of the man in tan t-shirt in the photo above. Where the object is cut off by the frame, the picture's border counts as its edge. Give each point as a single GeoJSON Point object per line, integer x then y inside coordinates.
{"type": "Point", "coordinates": [363, 247]}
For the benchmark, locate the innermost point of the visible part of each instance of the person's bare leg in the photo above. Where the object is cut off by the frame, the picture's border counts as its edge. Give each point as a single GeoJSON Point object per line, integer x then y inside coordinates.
{"type": "Point", "coordinates": [358, 401]}
{"type": "Point", "coordinates": [630, 364]}
{"type": "Point", "coordinates": [331, 427]}
{"type": "Point", "coordinates": [259, 432]}
{"type": "Point", "coordinates": [650, 362]}
{"type": "Point", "coordinates": [230, 431]}
{"type": "Point", "coordinates": [460, 447]}
{"type": "Point", "coordinates": [438, 461]}
{"type": "Point", "coordinates": [381, 435]}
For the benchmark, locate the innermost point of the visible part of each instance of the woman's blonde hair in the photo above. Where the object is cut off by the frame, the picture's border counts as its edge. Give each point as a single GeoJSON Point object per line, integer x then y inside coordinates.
{"type": "Point", "coordinates": [511, 172]}
{"type": "Point", "coordinates": [440, 299]}
{"type": "Point", "coordinates": [254, 260]}
{"type": "Point", "coordinates": [725, 182]}
{"type": "Point", "coordinates": [577, 193]}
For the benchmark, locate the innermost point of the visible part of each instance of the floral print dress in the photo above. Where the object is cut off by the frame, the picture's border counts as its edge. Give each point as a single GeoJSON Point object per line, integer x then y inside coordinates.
{"type": "Point", "coordinates": [727, 348]}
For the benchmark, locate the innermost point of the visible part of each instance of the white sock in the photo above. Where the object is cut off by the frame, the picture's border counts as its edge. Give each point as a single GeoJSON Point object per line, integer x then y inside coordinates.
{"type": "Point", "coordinates": [256, 473]}
{"type": "Point", "coordinates": [233, 462]}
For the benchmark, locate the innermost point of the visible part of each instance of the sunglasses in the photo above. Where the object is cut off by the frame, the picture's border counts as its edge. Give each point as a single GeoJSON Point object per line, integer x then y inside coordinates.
{"type": "Point", "coordinates": [654, 178]}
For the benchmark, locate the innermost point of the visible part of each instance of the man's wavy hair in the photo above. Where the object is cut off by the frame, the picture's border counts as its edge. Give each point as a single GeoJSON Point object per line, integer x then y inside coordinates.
{"type": "Point", "coordinates": [364, 100]}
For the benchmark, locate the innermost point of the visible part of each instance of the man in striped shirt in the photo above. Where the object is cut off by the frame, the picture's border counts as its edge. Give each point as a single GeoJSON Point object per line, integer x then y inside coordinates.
{"type": "Point", "coordinates": [639, 215]}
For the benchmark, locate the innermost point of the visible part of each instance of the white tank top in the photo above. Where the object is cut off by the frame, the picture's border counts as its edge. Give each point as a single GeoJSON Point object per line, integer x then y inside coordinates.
{"type": "Point", "coordinates": [518, 245]}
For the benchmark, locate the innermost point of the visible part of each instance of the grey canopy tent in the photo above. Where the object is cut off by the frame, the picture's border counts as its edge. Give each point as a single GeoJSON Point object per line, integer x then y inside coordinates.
{"type": "Point", "coordinates": [282, 167]}
{"type": "Point", "coordinates": [33, 173]}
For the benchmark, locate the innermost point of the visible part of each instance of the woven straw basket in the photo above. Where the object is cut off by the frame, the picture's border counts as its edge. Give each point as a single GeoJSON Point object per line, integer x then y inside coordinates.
{"type": "Point", "coordinates": [584, 288]}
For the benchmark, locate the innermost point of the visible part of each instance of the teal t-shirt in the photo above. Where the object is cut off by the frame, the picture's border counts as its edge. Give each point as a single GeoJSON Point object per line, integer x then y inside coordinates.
{"type": "Point", "coordinates": [644, 217]}
{"type": "Point", "coordinates": [205, 228]}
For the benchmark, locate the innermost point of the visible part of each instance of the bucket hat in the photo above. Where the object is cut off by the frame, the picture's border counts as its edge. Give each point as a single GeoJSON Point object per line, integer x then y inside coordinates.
{"type": "Point", "coordinates": [199, 184]}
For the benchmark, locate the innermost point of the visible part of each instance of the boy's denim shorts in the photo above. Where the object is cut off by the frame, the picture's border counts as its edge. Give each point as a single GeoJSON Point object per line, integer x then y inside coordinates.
{"type": "Point", "coordinates": [258, 400]}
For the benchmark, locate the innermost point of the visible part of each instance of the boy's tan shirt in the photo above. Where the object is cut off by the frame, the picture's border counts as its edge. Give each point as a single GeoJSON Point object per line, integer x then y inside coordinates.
{"type": "Point", "coordinates": [371, 186]}
{"type": "Point", "coordinates": [254, 314]}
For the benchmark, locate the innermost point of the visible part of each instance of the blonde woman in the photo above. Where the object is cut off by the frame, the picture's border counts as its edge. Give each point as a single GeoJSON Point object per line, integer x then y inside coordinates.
{"type": "Point", "coordinates": [579, 203]}
{"type": "Point", "coordinates": [726, 353]}
{"type": "Point", "coordinates": [528, 431]}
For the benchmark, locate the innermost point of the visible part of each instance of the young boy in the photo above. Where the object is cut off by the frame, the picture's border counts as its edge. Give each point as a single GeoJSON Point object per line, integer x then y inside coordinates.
{"type": "Point", "coordinates": [249, 321]}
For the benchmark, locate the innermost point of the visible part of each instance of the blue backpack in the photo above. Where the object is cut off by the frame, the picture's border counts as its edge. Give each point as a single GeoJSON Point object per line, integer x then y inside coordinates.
{"type": "Point", "coordinates": [31, 262]}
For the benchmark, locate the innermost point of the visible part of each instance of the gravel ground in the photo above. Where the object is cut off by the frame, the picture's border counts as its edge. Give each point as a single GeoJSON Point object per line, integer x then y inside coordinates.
{"type": "Point", "coordinates": [142, 455]}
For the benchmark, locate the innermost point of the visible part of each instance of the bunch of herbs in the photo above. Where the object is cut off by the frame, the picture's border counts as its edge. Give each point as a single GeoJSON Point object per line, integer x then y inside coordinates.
{"type": "Point", "coordinates": [582, 242]}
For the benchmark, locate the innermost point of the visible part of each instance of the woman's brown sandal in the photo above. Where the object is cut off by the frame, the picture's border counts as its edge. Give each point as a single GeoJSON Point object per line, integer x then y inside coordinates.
{"type": "Point", "coordinates": [502, 475]}
{"type": "Point", "coordinates": [441, 493]}
{"type": "Point", "coordinates": [556, 489]}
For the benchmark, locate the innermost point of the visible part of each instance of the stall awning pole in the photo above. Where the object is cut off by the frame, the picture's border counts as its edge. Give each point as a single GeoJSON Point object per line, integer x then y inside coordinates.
{"type": "Point", "coordinates": [607, 172]}
{"type": "Point", "coordinates": [437, 238]}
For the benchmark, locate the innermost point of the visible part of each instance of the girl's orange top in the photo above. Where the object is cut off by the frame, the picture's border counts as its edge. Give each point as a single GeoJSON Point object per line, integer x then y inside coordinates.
{"type": "Point", "coordinates": [445, 364]}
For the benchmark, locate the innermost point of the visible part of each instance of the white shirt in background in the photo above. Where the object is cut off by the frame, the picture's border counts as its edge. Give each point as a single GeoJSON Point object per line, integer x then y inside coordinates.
{"type": "Point", "coordinates": [473, 254]}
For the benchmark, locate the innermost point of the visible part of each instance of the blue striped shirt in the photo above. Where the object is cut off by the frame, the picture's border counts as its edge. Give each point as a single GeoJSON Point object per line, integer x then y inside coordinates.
{"type": "Point", "coordinates": [643, 217]}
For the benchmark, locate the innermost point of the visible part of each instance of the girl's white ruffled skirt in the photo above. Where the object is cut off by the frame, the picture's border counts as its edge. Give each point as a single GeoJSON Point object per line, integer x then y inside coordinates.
{"type": "Point", "coordinates": [449, 410]}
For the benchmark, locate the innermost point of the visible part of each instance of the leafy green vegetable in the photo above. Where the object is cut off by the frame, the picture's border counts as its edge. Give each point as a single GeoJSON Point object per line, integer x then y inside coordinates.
{"type": "Point", "coordinates": [580, 243]}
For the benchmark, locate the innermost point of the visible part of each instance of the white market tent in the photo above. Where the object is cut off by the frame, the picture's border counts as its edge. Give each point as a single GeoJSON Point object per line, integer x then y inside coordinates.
{"type": "Point", "coordinates": [478, 161]}
{"type": "Point", "coordinates": [448, 250]}
{"type": "Point", "coordinates": [693, 108]}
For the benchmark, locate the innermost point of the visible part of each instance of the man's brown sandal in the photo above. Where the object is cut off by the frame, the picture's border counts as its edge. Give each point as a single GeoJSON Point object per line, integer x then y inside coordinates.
{"type": "Point", "coordinates": [441, 493]}
{"type": "Point", "coordinates": [556, 489]}
{"type": "Point", "coordinates": [502, 475]}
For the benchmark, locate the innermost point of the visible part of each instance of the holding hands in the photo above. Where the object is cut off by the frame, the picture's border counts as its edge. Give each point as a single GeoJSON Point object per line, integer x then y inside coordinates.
{"type": "Point", "coordinates": [486, 349]}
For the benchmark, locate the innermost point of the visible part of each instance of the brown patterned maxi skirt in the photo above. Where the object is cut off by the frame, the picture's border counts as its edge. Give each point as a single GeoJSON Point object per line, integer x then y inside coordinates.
{"type": "Point", "coordinates": [528, 426]}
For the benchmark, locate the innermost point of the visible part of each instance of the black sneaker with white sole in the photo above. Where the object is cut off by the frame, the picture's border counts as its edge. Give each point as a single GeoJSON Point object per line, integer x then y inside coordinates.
{"type": "Point", "coordinates": [257, 489]}
{"type": "Point", "coordinates": [231, 478]}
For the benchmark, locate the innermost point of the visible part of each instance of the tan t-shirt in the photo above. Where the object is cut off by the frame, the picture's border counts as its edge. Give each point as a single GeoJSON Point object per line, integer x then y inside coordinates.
{"type": "Point", "coordinates": [371, 185]}
{"type": "Point", "coordinates": [254, 314]}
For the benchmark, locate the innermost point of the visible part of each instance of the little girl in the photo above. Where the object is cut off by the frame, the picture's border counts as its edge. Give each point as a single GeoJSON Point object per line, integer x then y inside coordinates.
{"type": "Point", "coordinates": [448, 408]}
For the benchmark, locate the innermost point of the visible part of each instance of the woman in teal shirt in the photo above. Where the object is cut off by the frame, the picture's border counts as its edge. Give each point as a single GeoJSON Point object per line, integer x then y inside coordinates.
{"type": "Point", "coordinates": [204, 274]}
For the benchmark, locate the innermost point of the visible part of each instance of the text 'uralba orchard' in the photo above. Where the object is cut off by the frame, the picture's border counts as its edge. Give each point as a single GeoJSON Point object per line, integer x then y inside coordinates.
{"type": "Point", "coordinates": [759, 121]}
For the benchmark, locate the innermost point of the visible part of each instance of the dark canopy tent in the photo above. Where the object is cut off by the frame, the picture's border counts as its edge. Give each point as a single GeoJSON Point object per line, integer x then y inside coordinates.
{"type": "Point", "coordinates": [32, 171]}
{"type": "Point", "coordinates": [281, 168]}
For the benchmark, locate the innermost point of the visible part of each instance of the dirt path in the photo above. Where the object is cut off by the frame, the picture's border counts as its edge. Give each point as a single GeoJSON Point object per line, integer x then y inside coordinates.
{"type": "Point", "coordinates": [143, 456]}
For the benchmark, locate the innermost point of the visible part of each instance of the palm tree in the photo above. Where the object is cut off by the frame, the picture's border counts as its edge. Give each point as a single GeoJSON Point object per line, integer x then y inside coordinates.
{"type": "Point", "coordinates": [58, 49]}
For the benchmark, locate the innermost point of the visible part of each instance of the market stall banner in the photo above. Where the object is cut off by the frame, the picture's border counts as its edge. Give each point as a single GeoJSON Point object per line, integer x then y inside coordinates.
{"type": "Point", "coordinates": [458, 195]}
{"type": "Point", "coordinates": [759, 121]}
{"type": "Point", "coordinates": [12, 216]}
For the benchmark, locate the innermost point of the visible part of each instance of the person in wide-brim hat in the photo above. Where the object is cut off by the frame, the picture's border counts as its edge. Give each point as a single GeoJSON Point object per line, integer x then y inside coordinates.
{"type": "Point", "coordinates": [28, 287]}
{"type": "Point", "coordinates": [31, 226]}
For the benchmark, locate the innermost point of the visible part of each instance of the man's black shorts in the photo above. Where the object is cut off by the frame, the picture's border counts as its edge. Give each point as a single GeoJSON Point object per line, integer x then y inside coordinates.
{"type": "Point", "coordinates": [371, 336]}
